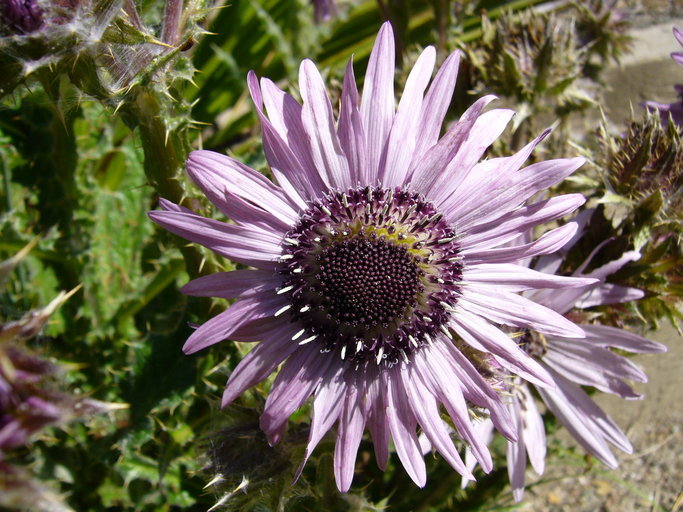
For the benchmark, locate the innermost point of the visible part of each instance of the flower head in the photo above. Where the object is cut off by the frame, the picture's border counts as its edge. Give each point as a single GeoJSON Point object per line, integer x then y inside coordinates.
{"type": "Point", "coordinates": [381, 244]}
{"type": "Point", "coordinates": [573, 363]}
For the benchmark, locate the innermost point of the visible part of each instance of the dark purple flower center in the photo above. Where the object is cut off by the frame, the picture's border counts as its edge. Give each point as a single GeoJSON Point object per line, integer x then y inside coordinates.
{"type": "Point", "coordinates": [372, 274]}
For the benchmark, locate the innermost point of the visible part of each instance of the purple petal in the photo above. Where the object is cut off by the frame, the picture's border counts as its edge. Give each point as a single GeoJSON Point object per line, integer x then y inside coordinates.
{"type": "Point", "coordinates": [435, 106]}
{"type": "Point", "coordinates": [377, 419]}
{"type": "Point", "coordinates": [608, 293]}
{"type": "Point", "coordinates": [377, 104]}
{"type": "Point", "coordinates": [516, 455]}
{"type": "Point", "coordinates": [511, 309]}
{"type": "Point", "coordinates": [350, 432]}
{"type": "Point", "coordinates": [284, 163]}
{"type": "Point", "coordinates": [426, 410]}
{"type": "Point", "coordinates": [402, 423]}
{"type": "Point", "coordinates": [490, 195]}
{"type": "Point", "coordinates": [474, 387]}
{"type": "Point", "coordinates": [442, 385]}
{"type": "Point", "coordinates": [220, 327]}
{"type": "Point", "coordinates": [351, 131]}
{"type": "Point", "coordinates": [587, 365]}
{"type": "Point", "coordinates": [318, 122]}
{"type": "Point", "coordinates": [394, 164]}
{"type": "Point", "coordinates": [445, 163]}
{"type": "Point", "coordinates": [295, 382]}
{"type": "Point", "coordinates": [484, 236]}
{"type": "Point", "coordinates": [327, 406]}
{"type": "Point", "coordinates": [515, 278]}
{"type": "Point", "coordinates": [215, 172]}
{"type": "Point", "coordinates": [286, 116]}
{"type": "Point", "coordinates": [480, 334]}
{"type": "Point", "coordinates": [533, 429]}
{"type": "Point", "coordinates": [233, 285]}
{"type": "Point", "coordinates": [247, 245]}
{"type": "Point", "coordinates": [606, 336]}
{"type": "Point", "coordinates": [586, 422]}
{"type": "Point", "coordinates": [549, 242]}
{"type": "Point", "coordinates": [260, 362]}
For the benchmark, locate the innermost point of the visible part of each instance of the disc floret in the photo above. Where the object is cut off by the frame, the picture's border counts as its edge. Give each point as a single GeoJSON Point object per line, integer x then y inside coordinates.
{"type": "Point", "coordinates": [371, 273]}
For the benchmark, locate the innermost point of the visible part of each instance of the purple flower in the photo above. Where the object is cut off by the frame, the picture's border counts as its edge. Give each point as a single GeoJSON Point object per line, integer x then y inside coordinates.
{"type": "Point", "coordinates": [382, 244]}
{"type": "Point", "coordinates": [573, 363]}
{"type": "Point", "coordinates": [21, 16]}
{"type": "Point", "coordinates": [675, 109]}
{"type": "Point", "coordinates": [323, 10]}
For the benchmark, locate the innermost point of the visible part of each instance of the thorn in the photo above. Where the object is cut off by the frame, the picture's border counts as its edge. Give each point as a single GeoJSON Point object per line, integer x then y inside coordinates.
{"type": "Point", "coordinates": [216, 479]}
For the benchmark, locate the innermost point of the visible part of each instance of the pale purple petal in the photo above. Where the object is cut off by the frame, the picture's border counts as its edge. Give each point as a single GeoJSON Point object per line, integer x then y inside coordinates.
{"type": "Point", "coordinates": [608, 293]}
{"type": "Point", "coordinates": [295, 382]}
{"type": "Point", "coordinates": [441, 384]}
{"type": "Point", "coordinates": [377, 103]}
{"type": "Point", "coordinates": [220, 327]}
{"type": "Point", "coordinates": [351, 130]}
{"type": "Point", "coordinates": [318, 122]}
{"type": "Point", "coordinates": [515, 278]}
{"type": "Point", "coordinates": [606, 336]}
{"type": "Point", "coordinates": [327, 407]}
{"type": "Point", "coordinates": [286, 116]}
{"type": "Point", "coordinates": [435, 106]}
{"type": "Point", "coordinates": [447, 160]}
{"type": "Point", "coordinates": [233, 285]}
{"type": "Point", "coordinates": [482, 335]}
{"type": "Point", "coordinates": [506, 229]}
{"type": "Point", "coordinates": [247, 245]}
{"type": "Point", "coordinates": [586, 365]}
{"type": "Point", "coordinates": [474, 387]}
{"type": "Point", "coordinates": [426, 410]}
{"type": "Point", "coordinates": [533, 429]}
{"type": "Point", "coordinates": [584, 420]}
{"type": "Point", "coordinates": [402, 424]}
{"type": "Point", "coordinates": [377, 419]}
{"type": "Point", "coordinates": [490, 196]}
{"type": "Point", "coordinates": [259, 363]}
{"type": "Point", "coordinates": [216, 172]}
{"type": "Point", "coordinates": [284, 163]}
{"type": "Point", "coordinates": [395, 162]}
{"type": "Point", "coordinates": [483, 429]}
{"type": "Point", "coordinates": [510, 309]}
{"type": "Point", "coordinates": [349, 434]}
{"type": "Point", "coordinates": [516, 454]}
{"type": "Point", "coordinates": [549, 242]}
